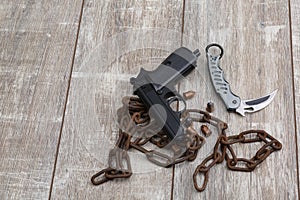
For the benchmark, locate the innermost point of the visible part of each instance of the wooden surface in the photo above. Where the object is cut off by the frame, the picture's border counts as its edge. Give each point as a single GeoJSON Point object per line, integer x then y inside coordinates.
{"type": "Point", "coordinates": [257, 59]}
{"type": "Point", "coordinates": [111, 29]}
{"type": "Point", "coordinates": [37, 41]}
{"type": "Point", "coordinates": [295, 46]}
{"type": "Point", "coordinates": [64, 66]}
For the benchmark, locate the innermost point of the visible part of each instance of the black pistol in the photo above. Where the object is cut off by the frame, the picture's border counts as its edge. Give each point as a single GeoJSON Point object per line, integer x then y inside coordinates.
{"type": "Point", "coordinates": [157, 91]}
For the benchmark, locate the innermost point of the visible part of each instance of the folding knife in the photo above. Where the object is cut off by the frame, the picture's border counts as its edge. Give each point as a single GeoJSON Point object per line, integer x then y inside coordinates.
{"type": "Point", "coordinates": [232, 102]}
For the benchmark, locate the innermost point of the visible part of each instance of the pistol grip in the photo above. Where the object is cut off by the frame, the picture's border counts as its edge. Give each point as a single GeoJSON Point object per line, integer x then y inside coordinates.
{"type": "Point", "coordinates": [160, 108]}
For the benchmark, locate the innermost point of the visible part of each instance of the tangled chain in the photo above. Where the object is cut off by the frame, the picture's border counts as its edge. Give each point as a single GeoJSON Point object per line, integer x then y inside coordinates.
{"type": "Point", "coordinates": [138, 129]}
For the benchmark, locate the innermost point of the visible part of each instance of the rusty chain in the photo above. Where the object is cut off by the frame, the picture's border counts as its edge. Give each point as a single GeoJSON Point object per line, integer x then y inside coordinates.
{"type": "Point", "coordinates": [223, 151]}
{"type": "Point", "coordinates": [118, 156]}
{"type": "Point", "coordinates": [137, 129]}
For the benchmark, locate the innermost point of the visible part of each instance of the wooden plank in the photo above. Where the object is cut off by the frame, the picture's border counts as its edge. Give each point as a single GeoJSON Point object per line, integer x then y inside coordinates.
{"type": "Point", "coordinates": [257, 60]}
{"type": "Point", "coordinates": [36, 49]}
{"type": "Point", "coordinates": [117, 38]}
{"type": "Point", "coordinates": [295, 31]}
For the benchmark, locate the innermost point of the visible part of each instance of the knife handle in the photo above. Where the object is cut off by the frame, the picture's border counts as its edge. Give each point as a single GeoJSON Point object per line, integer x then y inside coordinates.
{"type": "Point", "coordinates": [221, 86]}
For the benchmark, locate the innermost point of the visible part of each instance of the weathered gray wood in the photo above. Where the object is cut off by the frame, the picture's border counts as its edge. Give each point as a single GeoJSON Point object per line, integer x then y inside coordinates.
{"type": "Point", "coordinates": [116, 39]}
{"type": "Point", "coordinates": [37, 40]}
{"type": "Point", "coordinates": [37, 43]}
{"type": "Point", "coordinates": [295, 27]}
{"type": "Point", "coordinates": [257, 60]}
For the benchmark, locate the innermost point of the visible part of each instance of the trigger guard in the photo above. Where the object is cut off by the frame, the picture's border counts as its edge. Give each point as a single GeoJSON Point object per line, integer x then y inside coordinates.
{"type": "Point", "coordinates": [177, 98]}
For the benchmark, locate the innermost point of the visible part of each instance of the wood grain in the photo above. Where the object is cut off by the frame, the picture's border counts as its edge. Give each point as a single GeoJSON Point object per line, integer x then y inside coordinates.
{"type": "Point", "coordinates": [257, 60]}
{"type": "Point", "coordinates": [36, 49]}
{"type": "Point", "coordinates": [116, 39]}
{"type": "Point", "coordinates": [295, 28]}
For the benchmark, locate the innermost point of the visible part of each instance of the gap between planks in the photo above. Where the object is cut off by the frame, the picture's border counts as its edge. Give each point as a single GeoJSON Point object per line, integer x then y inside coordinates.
{"type": "Point", "coordinates": [66, 100]}
{"type": "Point", "coordinates": [294, 92]}
{"type": "Point", "coordinates": [181, 43]}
